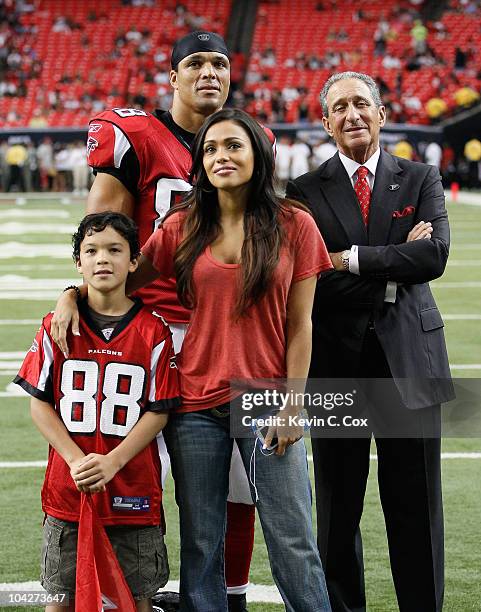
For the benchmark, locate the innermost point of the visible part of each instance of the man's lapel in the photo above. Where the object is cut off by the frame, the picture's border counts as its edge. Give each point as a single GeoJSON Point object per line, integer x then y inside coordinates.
{"type": "Point", "coordinates": [385, 199]}
{"type": "Point", "coordinates": [338, 192]}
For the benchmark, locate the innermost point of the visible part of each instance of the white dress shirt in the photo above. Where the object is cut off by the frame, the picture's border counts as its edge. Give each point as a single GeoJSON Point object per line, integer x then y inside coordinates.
{"type": "Point", "coordinates": [351, 168]}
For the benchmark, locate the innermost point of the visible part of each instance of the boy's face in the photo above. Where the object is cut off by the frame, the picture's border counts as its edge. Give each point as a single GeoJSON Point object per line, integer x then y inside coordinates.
{"type": "Point", "coordinates": [105, 260]}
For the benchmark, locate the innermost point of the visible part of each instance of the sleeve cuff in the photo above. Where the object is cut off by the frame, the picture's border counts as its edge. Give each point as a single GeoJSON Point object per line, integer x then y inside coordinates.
{"type": "Point", "coordinates": [166, 405]}
{"type": "Point", "coordinates": [391, 290]}
{"type": "Point", "coordinates": [354, 260]}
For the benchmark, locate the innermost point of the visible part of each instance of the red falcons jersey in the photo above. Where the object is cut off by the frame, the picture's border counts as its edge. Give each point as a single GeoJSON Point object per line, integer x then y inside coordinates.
{"type": "Point", "coordinates": [154, 164]}
{"type": "Point", "coordinates": [100, 393]}
{"type": "Point", "coordinates": [150, 155]}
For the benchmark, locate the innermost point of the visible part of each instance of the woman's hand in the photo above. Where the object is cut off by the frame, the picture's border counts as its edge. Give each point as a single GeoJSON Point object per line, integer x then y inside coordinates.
{"type": "Point", "coordinates": [66, 313]}
{"type": "Point", "coordinates": [287, 432]}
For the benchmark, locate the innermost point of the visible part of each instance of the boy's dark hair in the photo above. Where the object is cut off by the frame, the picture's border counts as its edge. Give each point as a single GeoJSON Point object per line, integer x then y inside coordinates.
{"type": "Point", "coordinates": [97, 222]}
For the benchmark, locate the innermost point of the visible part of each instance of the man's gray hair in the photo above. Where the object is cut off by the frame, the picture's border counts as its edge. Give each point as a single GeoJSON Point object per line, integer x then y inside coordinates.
{"type": "Point", "coordinates": [340, 76]}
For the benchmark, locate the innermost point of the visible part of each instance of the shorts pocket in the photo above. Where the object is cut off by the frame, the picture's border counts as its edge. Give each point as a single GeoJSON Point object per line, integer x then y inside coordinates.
{"type": "Point", "coordinates": [153, 563]}
{"type": "Point", "coordinates": [51, 549]}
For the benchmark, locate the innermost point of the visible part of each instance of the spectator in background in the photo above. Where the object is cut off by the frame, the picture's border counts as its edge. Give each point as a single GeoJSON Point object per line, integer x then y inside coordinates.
{"type": "Point", "coordinates": [63, 167]}
{"type": "Point", "coordinates": [31, 169]}
{"type": "Point", "coordinates": [283, 161]}
{"type": "Point", "coordinates": [433, 154]}
{"type": "Point", "coordinates": [419, 33]}
{"type": "Point", "coordinates": [15, 157]}
{"type": "Point", "coordinates": [300, 154]}
{"type": "Point", "coordinates": [436, 108]}
{"type": "Point", "coordinates": [80, 169]}
{"type": "Point", "coordinates": [472, 153]}
{"type": "Point", "coordinates": [403, 149]}
{"type": "Point", "coordinates": [324, 150]}
{"type": "Point", "coordinates": [46, 164]}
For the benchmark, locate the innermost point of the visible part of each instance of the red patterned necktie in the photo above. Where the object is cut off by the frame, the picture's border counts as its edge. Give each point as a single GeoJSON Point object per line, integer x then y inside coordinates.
{"type": "Point", "coordinates": [363, 192]}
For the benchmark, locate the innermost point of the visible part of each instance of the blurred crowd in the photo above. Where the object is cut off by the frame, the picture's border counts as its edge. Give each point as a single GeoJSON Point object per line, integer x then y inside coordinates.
{"type": "Point", "coordinates": [62, 167]}
{"type": "Point", "coordinates": [47, 166]}
{"type": "Point", "coordinates": [295, 156]}
{"type": "Point", "coordinates": [402, 48]}
{"type": "Point", "coordinates": [75, 94]}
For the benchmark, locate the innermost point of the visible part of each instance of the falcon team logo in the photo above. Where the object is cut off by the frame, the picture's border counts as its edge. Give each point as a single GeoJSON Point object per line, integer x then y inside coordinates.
{"type": "Point", "coordinates": [95, 127]}
{"type": "Point", "coordinates": [34, 347]}
{"type": "Point", "coordinates": [92, 144]}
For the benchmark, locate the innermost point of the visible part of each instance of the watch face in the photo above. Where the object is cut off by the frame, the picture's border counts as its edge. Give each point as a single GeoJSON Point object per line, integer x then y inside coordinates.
{"type": "Point", "coordinates": [345, 255]}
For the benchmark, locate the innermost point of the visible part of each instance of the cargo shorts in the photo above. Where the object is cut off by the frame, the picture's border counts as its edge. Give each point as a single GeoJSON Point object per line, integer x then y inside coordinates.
{"type": "Point", "coordinates": [140, 550]}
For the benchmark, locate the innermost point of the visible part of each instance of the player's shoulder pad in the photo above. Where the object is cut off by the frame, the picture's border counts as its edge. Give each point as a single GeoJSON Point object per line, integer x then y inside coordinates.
{"type": "Point", "coordinates": [127, 119]}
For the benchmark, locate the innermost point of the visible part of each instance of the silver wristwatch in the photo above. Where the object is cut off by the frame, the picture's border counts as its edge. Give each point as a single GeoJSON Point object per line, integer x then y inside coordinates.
{"type": "Point", "coordinates": [345, 259]}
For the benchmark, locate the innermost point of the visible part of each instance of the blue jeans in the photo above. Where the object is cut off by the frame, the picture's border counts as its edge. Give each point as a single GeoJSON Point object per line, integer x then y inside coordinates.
{"type": "Point", "coordinates": [200, 449]}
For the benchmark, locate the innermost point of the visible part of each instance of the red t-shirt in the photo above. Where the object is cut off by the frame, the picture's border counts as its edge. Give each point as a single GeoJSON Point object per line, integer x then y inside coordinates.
{"type": "Point", "coordinates": [100, 393]}
{"type": "Point", "coordinates": [218, 348]}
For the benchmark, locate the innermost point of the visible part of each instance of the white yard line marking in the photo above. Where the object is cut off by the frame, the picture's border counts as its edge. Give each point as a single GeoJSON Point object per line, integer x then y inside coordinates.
{"type": "Point", "coordinates": [446, 317]}
{"type": "Point", "coordinates": [465, 366]}
{"type": "Point", "coordinates": [14, 281]}
{"type": "Point", "coordinates": [461, 317]}
{"type": "Point", "coordinates": [456, 285]}
{"type": "Point", "coordinates": [20, 322]}
{"type": "Point", "coordinates": [9, 250]}
{"type": "Point", "coordinates": [255, 593]}
{"type": "Point", "coordinates": [470, 246]}
{"type": "Point", "coordinates": [13, 228]}
{"type": "Point", "coordinates": [7, 465]}
{"type": "Point", "coordinates": [463, 263]}
{"type": "Point", "coordinates": [35, 212]}
{"type": "Point", "coordinates": [61, 266]}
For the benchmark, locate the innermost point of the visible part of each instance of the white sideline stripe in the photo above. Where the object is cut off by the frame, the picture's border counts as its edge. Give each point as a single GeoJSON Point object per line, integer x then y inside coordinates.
{"type": "Point", "coordinates": [455, 284]}
{"type": "Point", "coordinates": [22, 464]}
{"type": "Point", "coordinates": [10, 250]}
{"type": "Point", "coordinates": [37, 268]}
{"type": "Point", "coordinates": [465, 366]}
{"type": "Point", "coordinates": [470, 246]}
{"type": "Point", "coordinates": [446, 317]}
{"type": "Point", "coordinates": [47, 296]}
{"type": "Point", "coordinates": [462, 263]}
{"type": "Point", "coordinates": [35, 212]}
{"type": "Point", "coordinates": [14, 228]}
{"type": "Point", "coordinates": [12, 281]}
{"type": "Point", "coordinates": [20, 322]}
{"type": "Point", "coordinates": [255, 592]}
{"type": "Point", "coordinates": [6, 465]}
{"type": "Point", "coordinates": [458, 317]}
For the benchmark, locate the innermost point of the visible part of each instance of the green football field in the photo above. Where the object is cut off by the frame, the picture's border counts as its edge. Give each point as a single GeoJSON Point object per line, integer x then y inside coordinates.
{"type": "Point", "coordinates": [35, 265]}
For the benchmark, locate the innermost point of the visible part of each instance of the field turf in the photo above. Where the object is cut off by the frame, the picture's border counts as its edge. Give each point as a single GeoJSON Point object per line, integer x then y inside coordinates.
{"type": "Point", "coordinates": [28, 286]}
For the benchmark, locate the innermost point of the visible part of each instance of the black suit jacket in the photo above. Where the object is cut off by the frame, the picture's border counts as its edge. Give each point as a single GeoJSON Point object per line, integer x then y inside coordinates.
{"type": "Point", "coordinates": [411, 329]}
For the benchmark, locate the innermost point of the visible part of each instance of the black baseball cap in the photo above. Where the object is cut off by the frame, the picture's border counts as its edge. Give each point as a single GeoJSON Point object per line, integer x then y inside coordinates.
{"type": "Point", "coordinates": [196, 42]}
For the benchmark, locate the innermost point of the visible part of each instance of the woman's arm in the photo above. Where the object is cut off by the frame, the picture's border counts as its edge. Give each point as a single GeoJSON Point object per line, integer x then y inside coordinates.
{"type": "Point", "coordinates": [143, 275]}
{"type": "Point", "coordinates": [298, 356]}
{"type": "Point", "coordinates": [66, 311]}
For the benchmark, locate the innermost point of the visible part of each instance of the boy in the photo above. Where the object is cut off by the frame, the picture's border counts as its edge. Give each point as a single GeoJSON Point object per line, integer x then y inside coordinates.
{"type": "Point", "coordinates": [100, 411]}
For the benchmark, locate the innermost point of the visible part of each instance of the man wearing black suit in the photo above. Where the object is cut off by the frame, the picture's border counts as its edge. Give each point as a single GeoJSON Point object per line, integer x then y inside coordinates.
{"type": "Point", "coordinates": [385, 224]}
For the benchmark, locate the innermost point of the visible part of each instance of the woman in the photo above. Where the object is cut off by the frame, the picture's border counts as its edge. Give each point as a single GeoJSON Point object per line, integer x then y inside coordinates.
{"type": "Point", "coordinates": [246, 262]}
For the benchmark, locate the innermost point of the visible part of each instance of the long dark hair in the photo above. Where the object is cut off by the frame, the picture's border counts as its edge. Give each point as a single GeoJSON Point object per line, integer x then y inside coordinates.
{"type": "Point", "coordinates": [263, 234]}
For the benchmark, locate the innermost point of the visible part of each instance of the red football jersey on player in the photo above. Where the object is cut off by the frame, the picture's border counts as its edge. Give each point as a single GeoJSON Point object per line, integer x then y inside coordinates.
{"type": "Point", "coordinates": [150, 155]}
{"type": "Point", "coordinates": [100, 393]}
{"type": "Point", "coordinates": [121, 138]}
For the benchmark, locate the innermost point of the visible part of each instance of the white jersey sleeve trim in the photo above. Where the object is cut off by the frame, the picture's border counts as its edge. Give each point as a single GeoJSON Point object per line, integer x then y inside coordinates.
{"type": "Point", "coordinates": [122, 145]}
{"type": "Point", "coordinates": [47, 362]}
{"type": "Point", "coordinates": [157, 351]}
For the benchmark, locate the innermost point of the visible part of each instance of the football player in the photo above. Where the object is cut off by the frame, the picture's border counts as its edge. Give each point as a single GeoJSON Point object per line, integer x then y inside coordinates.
{"type": "Point", "coordinates": [142, 165]}
{"type": "Point", "coordinates": [100, 411]}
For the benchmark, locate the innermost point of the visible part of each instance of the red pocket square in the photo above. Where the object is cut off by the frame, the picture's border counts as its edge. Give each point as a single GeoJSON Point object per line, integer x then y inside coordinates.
{"type": "Point", "coordinates": [397, 214]}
